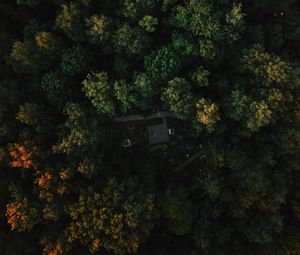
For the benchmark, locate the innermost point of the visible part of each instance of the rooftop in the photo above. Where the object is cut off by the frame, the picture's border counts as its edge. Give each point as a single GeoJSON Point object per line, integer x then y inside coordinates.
{"type": "Point", "coordinates": [297, 70]}
{"type": "Point", "coordinates": [158, 134]}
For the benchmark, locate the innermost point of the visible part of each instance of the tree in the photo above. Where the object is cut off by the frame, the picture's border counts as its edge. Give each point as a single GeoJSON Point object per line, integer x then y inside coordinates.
{"type": "Point", "coordinates": [178, 210]}
{"type": "Point", "coordinates": [21, 158]}
{"type": "Point", "coordinates": [145, 90]}
{"type": "Point", "coordinates": [97, 88]}
{"type": "Point", "coordinates": [260, 115]}
{"type": "Point", "coordinates": [21, 55]}
{"type": "Point", "coordinates": [267, 68]}
{"type": "Point", "coordinates": [207, 114]}
{"type": "Point", "coordinates": [98, 28]}
{"type": "Point", "coordinates": [130, 40]}
{"type": "Point", "coordinates": [200, 77]}
{"type": "Point", "coordinates": [21, 214]}
{"type": "Point", "coordinates": [239, 104]}
{"type": "Point", "coordinates": [264, 103]}
{"type": "Point", "coordinates": [73, 61]}
{"type": "Point", "coordinates": [70, 21]}
{"type": "Point", "coordinates": [32, 28]}
{"type": "Point", "coordinates": [200, 18]}
{"type": "Point", "coordinates": [81, 133]}
{"type": "Point", "coordinates": [47, 43]}
{"type": "Point", "coordinates": [275, 36]}
{"type": "Point", "coordinates": [235, 22]}
{"type": "Point", "coordinates": [148, 23]}
{"type": "Point", "coordinates": [137, 8]}
{"type": "Point", "coordinates": [29, 114]}
{"type": "Point", "coordinates": [53, 86]}
{"type": "Point", "coordinates": [53, 248]}
{"type": "Point", "coordinates": [28, 2]}
{"type": "Point", "coordinates": [167, 4]}
{"type": "Point", "coordinates": [35, 54]}
{"type": "Point", "coordinates": [88, 168]}
{"type": "Point", "coordinates": [124, 93]}
{"type": "Point", "coordinates": [207, 49]}
{"type": "Point", "coordinates": [184, 46]}
{"type": "Point", "coordinates": [111, 219]}
{"type": "Point", "coordinates": [223, 69]}
{"type": "Point", "coordinates": [162, 65]}
{"type": "Point", "coordinates": [178, 96]}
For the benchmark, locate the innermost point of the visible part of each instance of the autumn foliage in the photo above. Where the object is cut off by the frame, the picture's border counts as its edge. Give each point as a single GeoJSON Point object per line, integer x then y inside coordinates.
{"type": "Point", "coordinates": [86, 84]}
{"type": "Point", "coordinates": [20, 215]}
{"type": "Point", "coordinates": [20, 157]}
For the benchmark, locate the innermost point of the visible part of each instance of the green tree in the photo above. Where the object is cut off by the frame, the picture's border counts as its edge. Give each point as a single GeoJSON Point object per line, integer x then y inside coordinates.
{"type": "Point", "coordinates": [137, 8]}
{"type": "Point", "coordinates": [200, 77]}
{"type": "Point", "coordinates": [178, 210]}
{"type": "Point", "coordinates": [148, 23]}
{"type": "Point", "coordinates": [53, 86]}
{"type": "Point", "coordinates": [184, 46]}
{"type": "Point", "coordinates": [235, 22]}
{"type": "Point", "coordinates": [97, 88]}
{"type": "Point", "coordinates": [225, 71]}
{"type": "Point", "coordinates": [267, 68]}
{"type": "Point", "coordinates": [32, 28]}
{"type": "Point", "coordinates": [200, 18]}
{"type": "Point", "coordinates": [125, 94]}
{"type": "Point", "coordinates": [80, 133]}
{"type": "Point", "coordinates": [145, 90]}
{"type": "Point", "coordinates": [28, 2]}
{"type": "Point", "coordinates": [130, 40]}
{"type": "Point", "coordinates": [207, 49]}
{"type": "Point", "coordinates": [179, 97]}
{"type": "Point", "coordinates": [73, 60]}
{"type": "Point", "coordinates": [162, 65]}
{"type": "Point", "coordinates": [260, 115]}
{"type": "Point", "coordinates": [239, 104]}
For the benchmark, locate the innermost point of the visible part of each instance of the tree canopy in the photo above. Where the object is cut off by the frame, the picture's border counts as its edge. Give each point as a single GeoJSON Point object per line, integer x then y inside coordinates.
{"type": "Point", "coordinates": [89, 86]}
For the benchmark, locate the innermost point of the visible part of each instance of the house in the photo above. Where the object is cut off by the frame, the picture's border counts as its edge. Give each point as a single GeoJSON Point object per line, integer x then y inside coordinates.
{"type": "Point", "coordinates": [158, 134]}
{"type": "Point", "coordinates": [152, 129]}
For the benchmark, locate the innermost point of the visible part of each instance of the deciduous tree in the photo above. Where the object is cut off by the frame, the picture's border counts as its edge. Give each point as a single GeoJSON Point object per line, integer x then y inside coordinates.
{"type": "Point", "coordinates": [97, 88]}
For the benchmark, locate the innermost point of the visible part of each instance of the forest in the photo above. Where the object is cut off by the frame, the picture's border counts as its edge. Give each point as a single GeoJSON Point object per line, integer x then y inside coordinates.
{"type": "Point", "coordinates": [150, 127]}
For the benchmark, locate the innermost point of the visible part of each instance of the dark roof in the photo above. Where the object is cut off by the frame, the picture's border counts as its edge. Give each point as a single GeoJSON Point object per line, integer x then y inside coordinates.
{"type": "Point", "coordinates": [158, 134]}
{"type": "Point", "coordinates": [297, 70]}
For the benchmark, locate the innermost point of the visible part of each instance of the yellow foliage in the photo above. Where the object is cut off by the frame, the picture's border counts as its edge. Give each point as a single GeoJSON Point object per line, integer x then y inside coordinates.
{"type": "Point", "coordinates": [21, 53]}
{"type": "Point", "coordinates": [207, 114]}
{"type": "Point", "coordinates": [46, 41]}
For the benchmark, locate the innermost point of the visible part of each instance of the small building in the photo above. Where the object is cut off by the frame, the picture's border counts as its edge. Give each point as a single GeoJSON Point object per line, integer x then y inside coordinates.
{"type": "Point", "coordinates": [158, 134]}
{"type": "Point", "coordinates": [145, 131]}
{"type": "Point", "coordinates": [297, 70]}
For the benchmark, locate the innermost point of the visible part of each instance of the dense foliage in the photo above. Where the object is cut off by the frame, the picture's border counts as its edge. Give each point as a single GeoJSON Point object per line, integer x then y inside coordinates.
{"type": "Point", "coordinates": [225, 71]}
